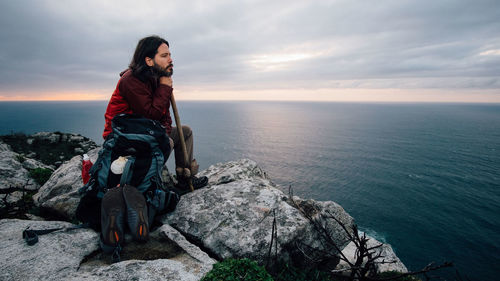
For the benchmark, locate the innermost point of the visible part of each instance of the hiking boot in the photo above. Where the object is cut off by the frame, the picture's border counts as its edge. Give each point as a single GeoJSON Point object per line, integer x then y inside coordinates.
{"type": "Point", "coordinates": [137, 213]}
{"type": "Point", "coordinates": [183, 186]}
{"type": "Point", "coordinates": [112, 219]}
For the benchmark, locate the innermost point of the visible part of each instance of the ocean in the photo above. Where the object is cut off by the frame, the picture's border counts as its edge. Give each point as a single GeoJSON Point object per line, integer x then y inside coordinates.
{"type": "Point", "coordinates": [422, 177]}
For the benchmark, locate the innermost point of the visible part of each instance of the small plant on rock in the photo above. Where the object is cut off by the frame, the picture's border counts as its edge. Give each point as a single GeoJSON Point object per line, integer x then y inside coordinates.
{"type": "Point", "coordinates": [20, 158]}
{"type": "Point", "coordinates": [237, 270]}
{"type": "Point", "coordinates": [40, 175]}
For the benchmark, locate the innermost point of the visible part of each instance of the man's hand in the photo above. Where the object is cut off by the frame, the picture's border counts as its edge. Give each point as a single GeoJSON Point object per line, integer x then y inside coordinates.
{"type": "Point", "coordinates": [166, 80]}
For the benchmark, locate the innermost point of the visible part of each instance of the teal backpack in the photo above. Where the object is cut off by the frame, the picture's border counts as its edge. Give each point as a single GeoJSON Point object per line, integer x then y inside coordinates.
{"type": "Point", "coordinates": [145, 146]}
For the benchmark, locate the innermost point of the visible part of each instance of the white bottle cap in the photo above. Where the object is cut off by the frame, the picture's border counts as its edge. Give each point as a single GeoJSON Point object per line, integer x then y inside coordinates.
{"type": "Point", "coordinates": [85, 157]}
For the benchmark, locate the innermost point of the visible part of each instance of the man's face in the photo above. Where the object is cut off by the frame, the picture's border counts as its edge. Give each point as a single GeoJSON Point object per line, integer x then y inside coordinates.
{"type": "Point", "coordinates": [162, 62]}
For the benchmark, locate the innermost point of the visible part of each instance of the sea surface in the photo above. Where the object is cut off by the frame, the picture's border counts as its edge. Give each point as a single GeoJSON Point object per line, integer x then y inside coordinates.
{"type": "Point", "coordinates": [423, 177]}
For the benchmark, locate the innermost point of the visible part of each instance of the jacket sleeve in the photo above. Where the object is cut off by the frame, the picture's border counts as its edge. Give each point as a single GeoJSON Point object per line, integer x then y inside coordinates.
{"type": "Point", "coordinates": [153, 105]}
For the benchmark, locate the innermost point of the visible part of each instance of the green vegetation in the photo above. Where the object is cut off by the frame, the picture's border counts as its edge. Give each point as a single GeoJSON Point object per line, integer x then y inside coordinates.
{"type": "Point", "coordinates": [20, 158]}
{"type": "Point", "coordinates": [40, 175]}
{"type": "Point", "coordinates": [248, 270]}
{"type": "Point", "coordinates": [237, 270]}
{"type": "Point", "coordinates": [289, 273]}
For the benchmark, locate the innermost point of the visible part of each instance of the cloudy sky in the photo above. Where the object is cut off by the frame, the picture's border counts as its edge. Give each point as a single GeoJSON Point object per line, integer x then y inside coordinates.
{"type": "Point", "coordinates": [396, 50]}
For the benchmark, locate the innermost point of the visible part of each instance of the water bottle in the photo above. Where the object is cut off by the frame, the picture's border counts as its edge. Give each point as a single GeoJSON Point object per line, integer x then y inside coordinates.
{"type": "Point", "coordinates": [86, 165]}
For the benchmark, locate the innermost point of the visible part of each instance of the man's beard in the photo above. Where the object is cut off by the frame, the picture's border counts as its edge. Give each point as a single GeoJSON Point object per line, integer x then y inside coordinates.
{"type": "Point", "coordinates": [158, 70]}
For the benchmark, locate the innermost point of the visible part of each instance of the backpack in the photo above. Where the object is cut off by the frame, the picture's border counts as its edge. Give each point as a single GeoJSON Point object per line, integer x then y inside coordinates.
{"type": "Point", "coordinates": [146, 146]}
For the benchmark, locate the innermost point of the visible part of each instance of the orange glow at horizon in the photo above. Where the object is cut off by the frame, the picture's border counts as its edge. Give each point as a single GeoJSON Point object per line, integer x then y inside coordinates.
{"type": "Point", "coordinates": [339, 95]}
{"type": "Point", "coordinates": [61, 96]}
{"type": "Point", "coordinates": [69, 96]}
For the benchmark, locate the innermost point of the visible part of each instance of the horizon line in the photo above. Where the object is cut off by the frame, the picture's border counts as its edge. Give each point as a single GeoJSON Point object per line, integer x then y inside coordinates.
{"type": "Point", "coordinates": [272, 100]}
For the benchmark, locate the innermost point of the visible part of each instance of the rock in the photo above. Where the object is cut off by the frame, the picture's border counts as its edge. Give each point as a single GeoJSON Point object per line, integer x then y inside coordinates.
{"type": "Point", "coordinates": [234, 217]}
{"type": "Point", "coordinates": [243, 169]}
{"type": "Point", "coordinates": [58, 137]}
{"type": "Point", "coordinates": [184, 261]}
{"type": "Point", "coordinates": [30, 164]}
{"type": "Point", "coordinates": [10, 199]}
{"type": "Point", "coordinates": [4, 147]}
{"type": "Point", "coordinates": [322, 212]}
{"type": "Point", "coordinates": [51, 148]}
{"type": "Point", "coordinates": [34, 217]}
{"type": "Point", "coordinates": [60, 193]}
{"type": "Point", "coordinates": [12, 173]}
{"type": "Point", "coordinates": [14, 197]}
{"type": "Point", "coordinates": [76, 138]}
{"type": "Point", "coordinates": [387, 262]}
{"type": "Point", "coordinates": [75, 255]}
{"type": "Point", "coordinates": [47, 136]}
{"type": "Point", "coordinates": [195, 258]}
{"type": "Point", "coordinates": [15, 178]}
{"type": "Point", "coordinates": [54, 256]}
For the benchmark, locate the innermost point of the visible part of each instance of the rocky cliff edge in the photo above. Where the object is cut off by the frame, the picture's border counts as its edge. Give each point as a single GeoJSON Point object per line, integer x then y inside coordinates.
{"type": "Point", "coordinates": [241, 214]}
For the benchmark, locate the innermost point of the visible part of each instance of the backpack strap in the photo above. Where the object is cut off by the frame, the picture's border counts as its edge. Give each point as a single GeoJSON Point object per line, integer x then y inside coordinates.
{"type": "Point", "coordinates": [127, 171]}
{"type": "Point", "coordinates": [160, 160]}
{"type": "Point", "coordinates": [31, 235]}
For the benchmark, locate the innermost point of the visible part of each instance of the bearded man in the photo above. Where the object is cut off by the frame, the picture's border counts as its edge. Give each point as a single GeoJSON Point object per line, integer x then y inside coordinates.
{"type": "Point", "coordinates": [145, 89]}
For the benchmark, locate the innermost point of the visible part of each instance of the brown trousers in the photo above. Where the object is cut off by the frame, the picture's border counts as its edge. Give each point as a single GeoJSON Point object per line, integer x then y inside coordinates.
{"type": "Point", "coordinates": [188, 138]}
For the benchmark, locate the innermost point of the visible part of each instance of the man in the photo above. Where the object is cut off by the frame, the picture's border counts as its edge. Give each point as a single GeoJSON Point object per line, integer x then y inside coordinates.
{"type": "Point", "coordinates": [145, 88]}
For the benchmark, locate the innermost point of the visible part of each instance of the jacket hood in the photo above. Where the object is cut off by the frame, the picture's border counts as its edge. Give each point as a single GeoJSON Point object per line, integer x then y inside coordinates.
{"type": "Point", "coordinates": [123, 72]}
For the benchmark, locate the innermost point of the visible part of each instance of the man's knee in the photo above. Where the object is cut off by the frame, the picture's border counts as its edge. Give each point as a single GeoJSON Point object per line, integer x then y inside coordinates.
{"type": "Point", "coordinates": [186, 130]}
{"type": "Point", "coordinates": [171, 143]}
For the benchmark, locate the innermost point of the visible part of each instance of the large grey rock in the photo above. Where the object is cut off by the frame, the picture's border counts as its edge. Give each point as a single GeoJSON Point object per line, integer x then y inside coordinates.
{"type": "Point", "coordinates": [4, 146]}
{"type": "Point", "coordinates": [243, 169]}
{"type": "Point", "coordinates": [12, 173]}
{"type": "Point", "coordinates": [54, 256]}
{"type": "Point", "coordinates": [185, 261]}
{"type": "Point", "coordinates": [388, 261]}
{"type": "Point", "coordinates": [60, 193]}
{"type": "Point", "coordinates": [234, 217]}
{"type": "Point", "coordinates": [75, 255]}
{"type": "Point", "coordinates": [14, 177]}
{"type": "Point", "coordinates": [30, 164]}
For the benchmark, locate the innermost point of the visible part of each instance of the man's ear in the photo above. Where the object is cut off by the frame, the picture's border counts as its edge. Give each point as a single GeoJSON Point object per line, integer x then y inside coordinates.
{"type": "Point", "coordinates": [149, 61]}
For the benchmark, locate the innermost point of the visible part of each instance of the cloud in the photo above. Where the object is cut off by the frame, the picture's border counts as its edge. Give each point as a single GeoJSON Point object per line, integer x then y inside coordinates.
{"type": "Point", "coordinates": [490, 53]}
{"type": "Point", "coordinates": [83, 45]}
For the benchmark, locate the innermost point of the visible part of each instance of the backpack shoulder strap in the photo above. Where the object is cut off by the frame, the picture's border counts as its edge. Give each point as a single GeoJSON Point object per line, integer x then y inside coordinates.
{"type": "Point", "coordinates": [127, 172]}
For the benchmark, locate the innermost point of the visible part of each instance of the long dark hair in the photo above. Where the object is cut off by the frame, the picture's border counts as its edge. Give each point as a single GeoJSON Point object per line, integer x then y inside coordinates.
{"type": "Point", "coordinates": [147, 47]}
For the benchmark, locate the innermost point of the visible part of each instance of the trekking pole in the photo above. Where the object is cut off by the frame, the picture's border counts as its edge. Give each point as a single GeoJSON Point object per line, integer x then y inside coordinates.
{"type": "Point", "coordinates": [181, 136]}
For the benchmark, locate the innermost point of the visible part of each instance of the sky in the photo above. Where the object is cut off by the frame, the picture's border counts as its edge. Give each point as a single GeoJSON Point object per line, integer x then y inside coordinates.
{"type": "Point", "coordinates": [386, 50]}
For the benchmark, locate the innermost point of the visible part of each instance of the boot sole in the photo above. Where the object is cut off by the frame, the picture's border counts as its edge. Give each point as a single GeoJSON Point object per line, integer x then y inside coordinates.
{"type": "Point", "coordinates": [137, 213]}
{"type": "Point", "coordinates": [112, 219]}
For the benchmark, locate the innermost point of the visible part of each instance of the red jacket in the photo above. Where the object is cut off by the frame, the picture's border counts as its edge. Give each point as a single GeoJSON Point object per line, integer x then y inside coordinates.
{"type": "Point", "coordinates": [149, 99]}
